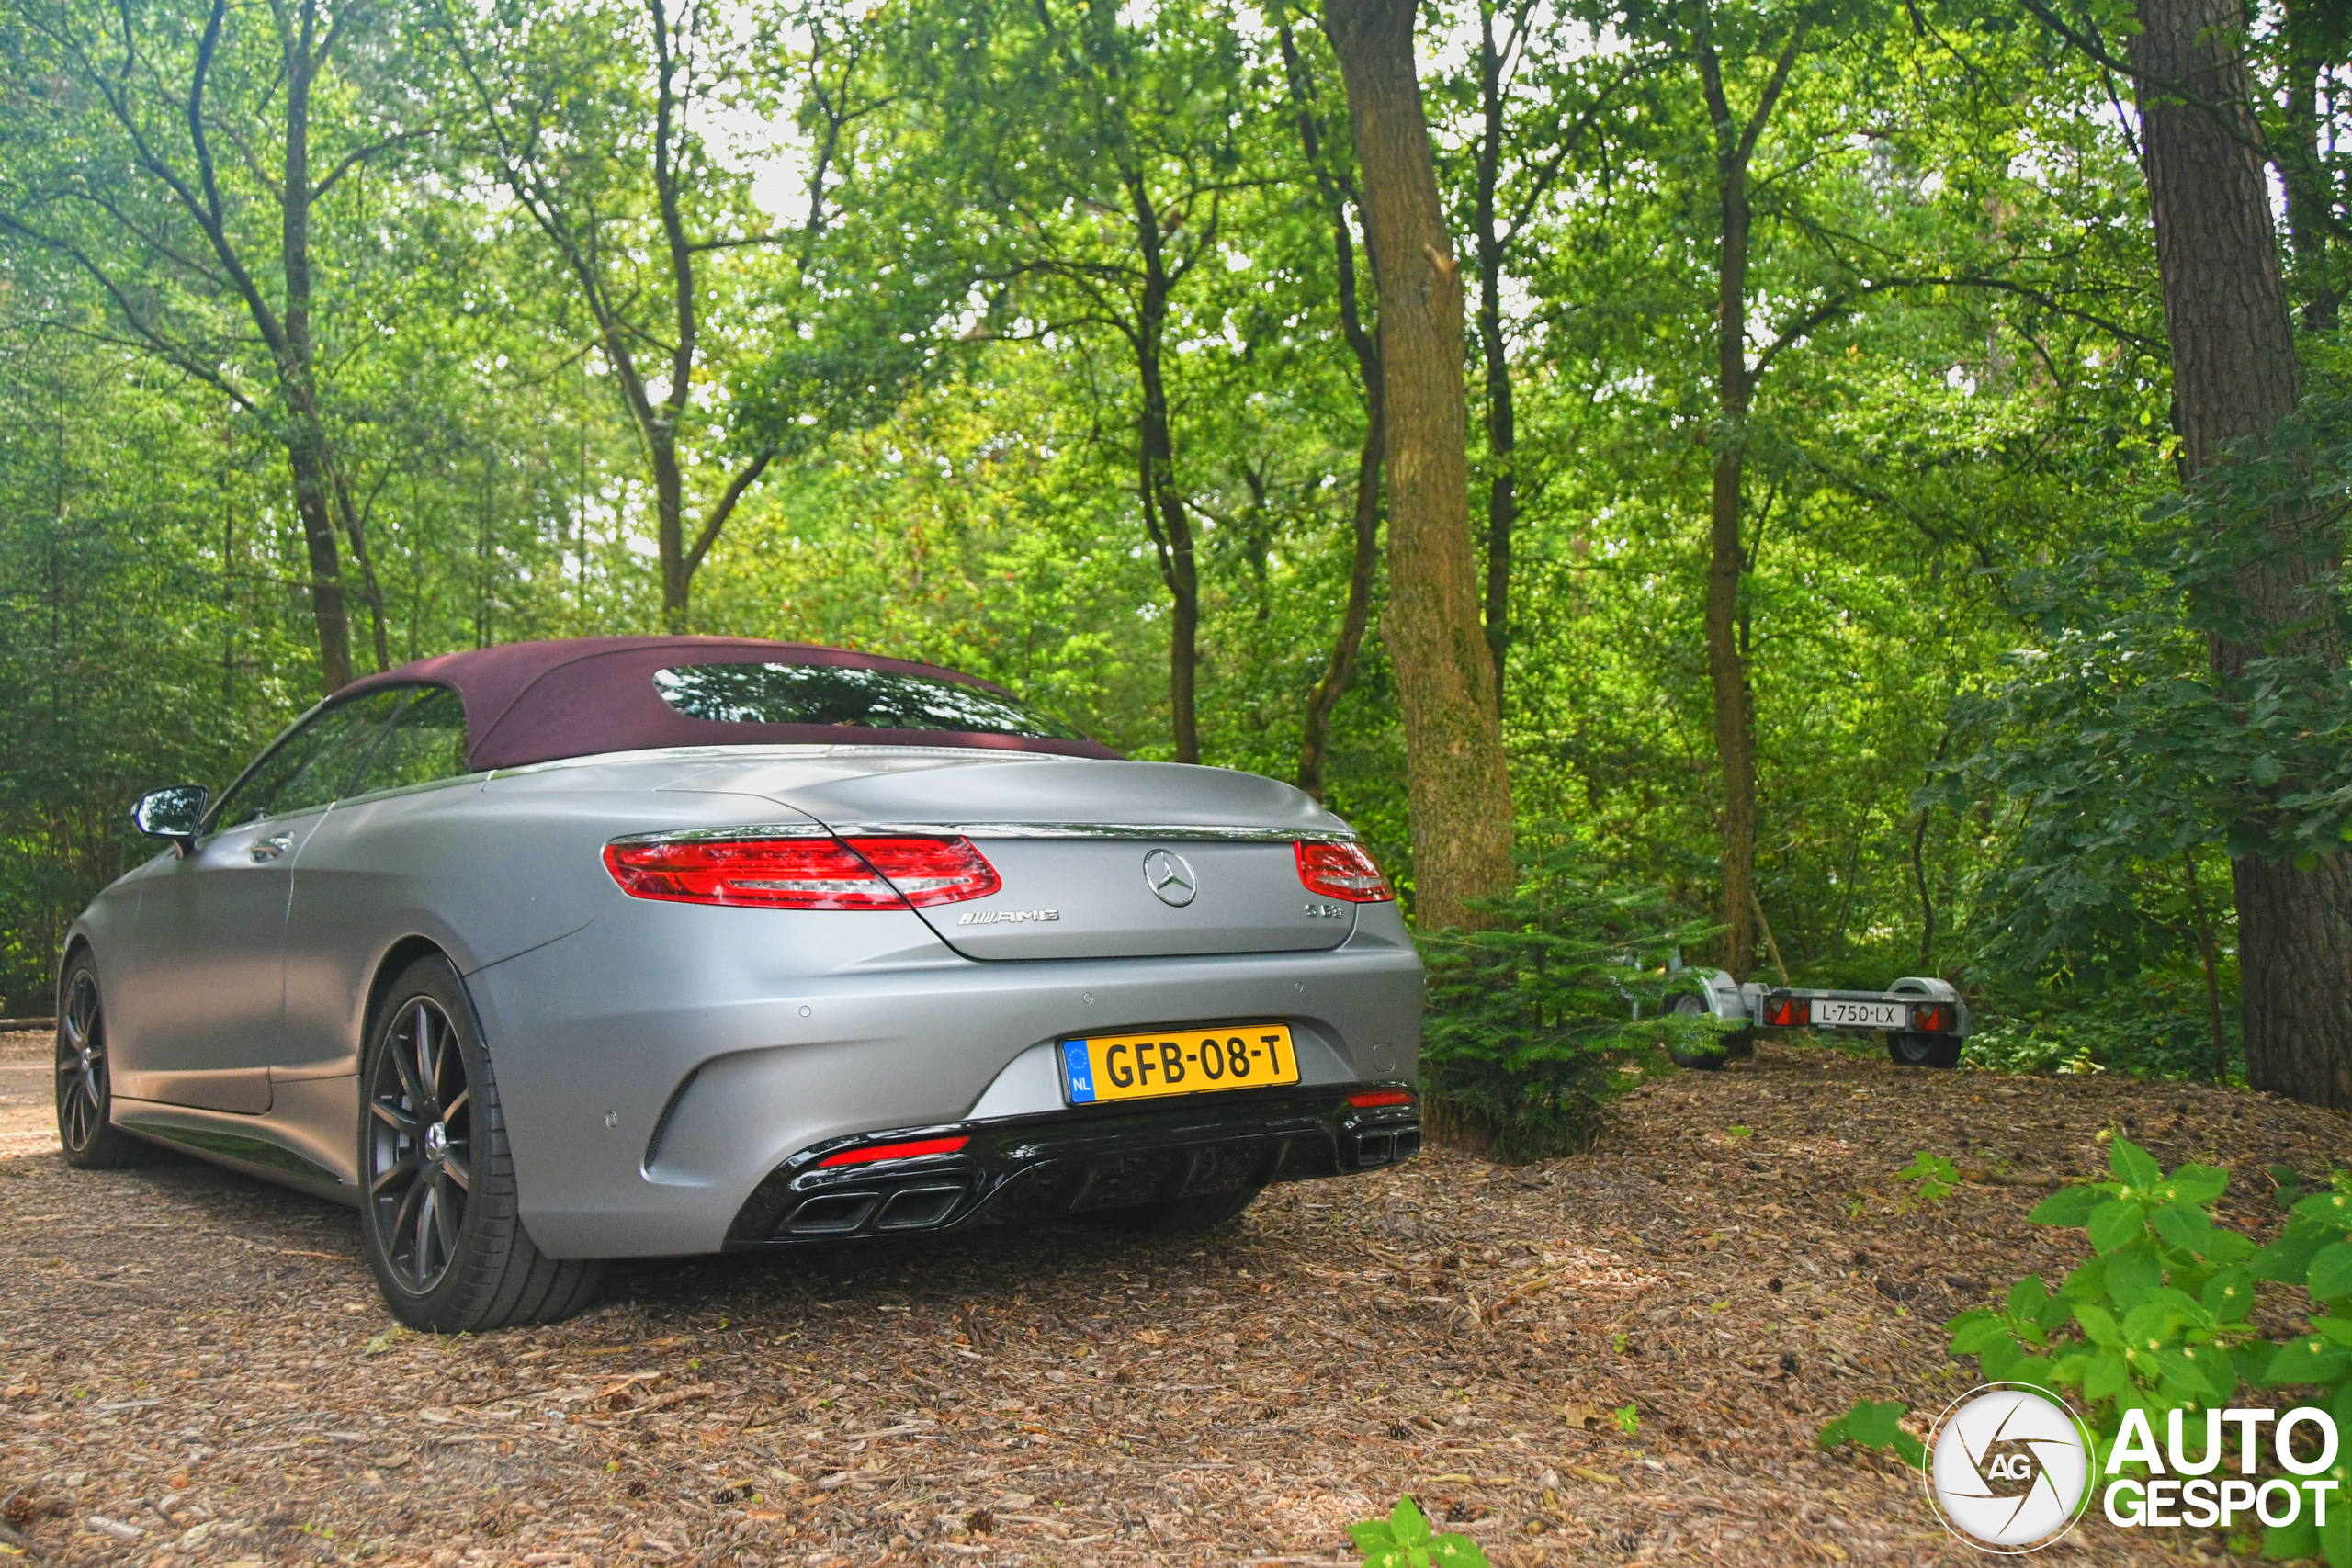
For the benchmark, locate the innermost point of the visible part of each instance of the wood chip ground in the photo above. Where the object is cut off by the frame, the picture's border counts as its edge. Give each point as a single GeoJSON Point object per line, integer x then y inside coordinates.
{"type": "Point", "coordinates": [197, 1368]}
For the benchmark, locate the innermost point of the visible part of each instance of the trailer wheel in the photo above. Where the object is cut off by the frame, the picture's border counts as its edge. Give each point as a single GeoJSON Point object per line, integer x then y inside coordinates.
{"type": "Point", "coordinates": [1690, 1006]}
{"type": "Point", "coordinates": [1908, 1050]}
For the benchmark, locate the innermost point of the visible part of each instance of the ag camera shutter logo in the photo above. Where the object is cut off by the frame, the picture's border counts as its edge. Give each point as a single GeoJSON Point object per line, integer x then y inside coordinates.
{"type": "Point", "coordinates": [2010, 1470]}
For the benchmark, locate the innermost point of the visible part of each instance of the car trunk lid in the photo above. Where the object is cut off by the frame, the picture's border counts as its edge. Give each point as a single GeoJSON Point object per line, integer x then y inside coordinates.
{"type": "Point", "coordinates": [1099, 859]}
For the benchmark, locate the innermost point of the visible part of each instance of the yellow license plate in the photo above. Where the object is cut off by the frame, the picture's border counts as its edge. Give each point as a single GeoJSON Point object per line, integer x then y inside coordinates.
{"type": "Point", "coordinates": [1104, 1067]}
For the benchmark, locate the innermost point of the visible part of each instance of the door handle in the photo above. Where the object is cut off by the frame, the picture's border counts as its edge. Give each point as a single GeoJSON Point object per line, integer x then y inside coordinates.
{"type": "Point", "coordinates": [270, 849]}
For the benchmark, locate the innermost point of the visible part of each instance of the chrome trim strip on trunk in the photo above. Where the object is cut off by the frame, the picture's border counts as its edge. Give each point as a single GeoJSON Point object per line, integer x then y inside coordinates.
{"type": "Point", "coordinates": [1188, 831]}
{"type": "Point", "coordinates": [1113, 830]}
{"type": "Point", "coordinates": [721, 835]}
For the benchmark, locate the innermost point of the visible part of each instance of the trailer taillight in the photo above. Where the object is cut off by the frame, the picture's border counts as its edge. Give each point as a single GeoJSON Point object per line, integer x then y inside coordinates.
{"type": "Point", "coordinates": [1787, 1012]}
{"type": "Point", "coordinates": [1934, 1017]}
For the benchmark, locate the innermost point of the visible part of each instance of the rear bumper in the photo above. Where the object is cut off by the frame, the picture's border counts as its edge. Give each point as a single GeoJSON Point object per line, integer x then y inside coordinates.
{"type": "Point", "coordinates": [659, 1065]}
{"type": "Point", "coordinates": [1046, 1167]}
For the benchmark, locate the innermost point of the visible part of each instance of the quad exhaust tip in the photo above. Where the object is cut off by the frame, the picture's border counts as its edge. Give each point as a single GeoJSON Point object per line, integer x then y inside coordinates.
{"type": "Point", "coordinates": [1386, 1145]}
{"type": "Point", "coordinates": [912, 1208]}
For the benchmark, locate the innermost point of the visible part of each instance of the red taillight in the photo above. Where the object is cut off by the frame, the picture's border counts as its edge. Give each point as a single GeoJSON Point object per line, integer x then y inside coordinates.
{"type": "Point", "coordinates": [930, 870]}
{"type": "Point", "coordinates": [761, 873]}
{"type": "Point", "coordinates": [1342, 871]}
{"type": "Point", "coordinates": [1371, 1098]}
{"type": "Point", "coordinates": [1787, 1012]}
{"type": "Point", "coordinates": [802, 874]}
{"type": "Point", "coordinates": [872, 1152]}
{"type": "Point", "coordinates": [1930, 1018]}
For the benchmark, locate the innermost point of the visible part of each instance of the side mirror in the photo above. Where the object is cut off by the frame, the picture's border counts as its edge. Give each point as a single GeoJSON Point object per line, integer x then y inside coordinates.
{"type": "Point", "coordinates": [172, 813]}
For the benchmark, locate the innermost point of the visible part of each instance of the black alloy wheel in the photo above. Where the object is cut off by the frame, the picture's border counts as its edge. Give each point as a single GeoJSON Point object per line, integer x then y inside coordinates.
{"type": "Point", "coordinates": [420, 1144]}
{"type": "Point", "coordinates": [1907, 1049]}
{"type": "Point", "coordinates": [439, 1222]}
{"type": "Point", "coordinates": [85, 1089]}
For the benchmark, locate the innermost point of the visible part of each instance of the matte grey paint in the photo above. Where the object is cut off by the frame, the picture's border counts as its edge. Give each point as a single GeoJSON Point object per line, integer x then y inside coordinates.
{"type": "Point", "coordinates": [205, 997]}
{"type": "Point", "coordinates": [794, 1026]}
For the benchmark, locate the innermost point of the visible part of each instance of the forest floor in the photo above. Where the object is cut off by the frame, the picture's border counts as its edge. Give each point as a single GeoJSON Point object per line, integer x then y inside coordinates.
{"type": "Point", "coordinates": [198, 1370]}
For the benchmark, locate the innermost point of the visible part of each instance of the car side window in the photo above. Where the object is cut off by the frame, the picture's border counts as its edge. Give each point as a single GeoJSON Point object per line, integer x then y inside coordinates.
{"type": "Point", "coordinates": [425, 742]}
{"type": "Point", "coordinates": [250, 798]}
{"type": "Point", "coordinates": [314, 764]}
{"type": "Point", "coordinates": [335, 764]}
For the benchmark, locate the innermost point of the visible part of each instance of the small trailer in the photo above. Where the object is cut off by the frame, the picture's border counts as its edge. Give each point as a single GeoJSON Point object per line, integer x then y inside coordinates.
{"type": "Point", "coordinates": [1923, 1018]}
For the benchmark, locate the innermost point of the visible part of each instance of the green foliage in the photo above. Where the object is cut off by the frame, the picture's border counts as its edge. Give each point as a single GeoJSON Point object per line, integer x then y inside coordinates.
{"type": "Point", "coordinates": [1876, 1424]}
{"type": "Point", "coordinates": [1932, 1176]}
{"type": "Point", "coordinates": [2126, 771]}
{"type": "Point", "coordinates": [919, 236]}
{"type": "Point", "coordinates": [2159, 1026]}
{"type": "Point", "coordinates": [1628, 1420]}
{"type": "Point", "coordinates": [2160, 1318]}
{"type": "Point", "coordinates": [1532, 1026]}
{"type": "Point", "coordinates": [1403, 1540]}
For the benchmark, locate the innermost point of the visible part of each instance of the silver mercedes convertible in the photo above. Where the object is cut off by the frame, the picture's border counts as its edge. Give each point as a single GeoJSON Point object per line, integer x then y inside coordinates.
{"type": "Point", "coordinates": [561, 952]}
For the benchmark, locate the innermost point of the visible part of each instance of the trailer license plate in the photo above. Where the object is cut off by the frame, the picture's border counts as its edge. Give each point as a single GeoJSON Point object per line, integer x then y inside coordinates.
{"type": "Point", "coordinates": [1177, 1061]}
{"type": "Point", "coordinates": [1830, 1013]}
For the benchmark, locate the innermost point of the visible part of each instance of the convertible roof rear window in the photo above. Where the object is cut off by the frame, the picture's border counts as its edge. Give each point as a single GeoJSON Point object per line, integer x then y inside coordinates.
{"type": "Point", "coordinates": [851, 697]}
{"type": "Point", "coordinates": [536, 702]}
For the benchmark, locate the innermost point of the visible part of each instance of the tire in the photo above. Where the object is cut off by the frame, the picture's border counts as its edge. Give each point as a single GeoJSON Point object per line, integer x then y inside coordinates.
{"type": "Point", "coordinates": [1907, 1050]}
{"type": "Point", "coordinates": [84, 1083]}
{"type": "Point", "coordinates": [438, 1221]}
{"type": "Point", "coordinates": [1182, 1216]}
{"type": "Point", "coordinates": [1692, 1006]}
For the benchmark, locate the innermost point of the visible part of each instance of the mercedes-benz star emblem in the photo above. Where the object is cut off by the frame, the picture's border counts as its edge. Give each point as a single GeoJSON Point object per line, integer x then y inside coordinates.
{"type": "Point", "coordinates": [1169, 879]}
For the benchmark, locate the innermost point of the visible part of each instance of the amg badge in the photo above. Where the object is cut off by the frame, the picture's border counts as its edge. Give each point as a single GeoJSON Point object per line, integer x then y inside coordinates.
{"type": "Point", "coordinates": [1006, 916]}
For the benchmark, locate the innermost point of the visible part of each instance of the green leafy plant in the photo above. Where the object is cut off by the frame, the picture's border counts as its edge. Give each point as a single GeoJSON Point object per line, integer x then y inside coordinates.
{"type": "Point", "coordinates": [1403, 1540]}
{"type": "Point", "coordinates": [2128, 760]}
{"type": "Point", "coordinates": [2158, 1320]}
{"type": "Point", "coordinates": [1876, 1424]}
{"type": "Point", "coordinates": [1628, 1420]}
{"type": "Point", "coordinates": [2155, 1023]}
{"type": "Point", "coordinates": [1538, 1021]}
{"type": "Point", "coordinates": [1932, 1176]}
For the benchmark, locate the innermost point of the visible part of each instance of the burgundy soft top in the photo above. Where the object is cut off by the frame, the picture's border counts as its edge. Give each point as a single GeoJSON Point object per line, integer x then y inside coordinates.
{"type": "Point", "coordinates": [534, 701]}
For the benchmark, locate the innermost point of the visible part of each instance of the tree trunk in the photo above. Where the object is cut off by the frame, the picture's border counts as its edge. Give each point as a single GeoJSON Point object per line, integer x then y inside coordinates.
{"type": "Point", "coordinates": [1364, 567]}
{"type": "Point", "coordinates": [1316, 742]}
{"type": "Point", "coordinates": [661, 428]}
{"type": "Point", "coordinates": [1727, 626]}
{"type": "Point", "coordinates": [1727, 671]}
{"type": "Point", "coordinates": [371, 588]}
{"type": "Point", "coordinates": [2234, 374]}
{"type": "Point", "coordinates": [327, 607]}
{"type": "Point", "coordinates": [1726, 662]}
{"type": "Point", "coordinates": [1163, 506]}
{"type": "Point", "coordinates": [1458, 783]}
{"type": "Point", "coordinates": [1178, 568]}
{"type": "Point", "coordinates": [1502, 492]}
{"type": "Point", "coordinates": [670, 524]}
{"type": "Point", "coordinates": [306, 451]}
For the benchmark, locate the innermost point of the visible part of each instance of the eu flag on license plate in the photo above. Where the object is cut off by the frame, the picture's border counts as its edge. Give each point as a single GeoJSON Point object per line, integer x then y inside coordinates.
{"type": "Point", "coordinates": [1076, 1073]}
